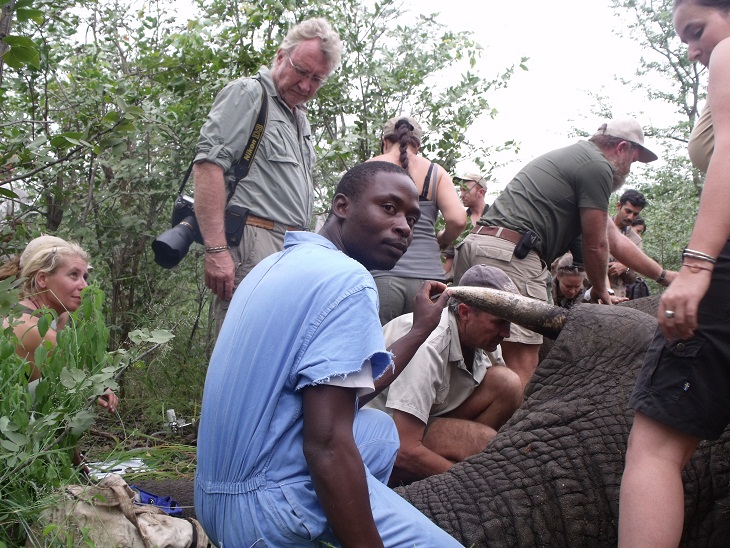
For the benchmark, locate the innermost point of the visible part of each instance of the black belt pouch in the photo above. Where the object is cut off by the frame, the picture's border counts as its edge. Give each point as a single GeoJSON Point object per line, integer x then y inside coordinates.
{"type": "Point", "coordinates": [527, 242]}
{"type": "Point", "coordinates": [235, 221]}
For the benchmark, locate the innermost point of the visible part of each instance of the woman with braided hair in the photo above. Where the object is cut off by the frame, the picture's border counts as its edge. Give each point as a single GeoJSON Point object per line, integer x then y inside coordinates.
{"type": "Point", "coordinates": [397, 287]}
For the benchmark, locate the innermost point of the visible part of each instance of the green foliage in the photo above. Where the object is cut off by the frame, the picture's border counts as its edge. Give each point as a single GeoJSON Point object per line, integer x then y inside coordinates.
{"type": "Point", "coordinates": [389, 68]}
{"type": "Point", "coordinates": [39, 429]}
{"type": "Point", "coordinates": [673, 201]}
{"type": "Point", "coordinates": [673, 188]}
{"type": "Point", "coordinates": [23, 51]}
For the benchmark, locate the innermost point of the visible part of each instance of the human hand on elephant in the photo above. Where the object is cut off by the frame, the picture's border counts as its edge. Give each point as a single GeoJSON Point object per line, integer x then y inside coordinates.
{"type": "Point", "coordinates": [600, 297]}
{"type": "Point", "coordinates": [677, 315]}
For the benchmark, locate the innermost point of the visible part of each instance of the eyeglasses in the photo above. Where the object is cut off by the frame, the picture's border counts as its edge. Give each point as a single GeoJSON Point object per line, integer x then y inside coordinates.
{"type": "Point", "coordinates": [305, 74]}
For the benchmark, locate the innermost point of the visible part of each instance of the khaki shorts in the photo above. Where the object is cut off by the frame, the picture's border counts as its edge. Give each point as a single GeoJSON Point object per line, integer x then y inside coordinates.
{"type": "Point", "coordinates": [396, 296]}
{"type": "Point", "coordinates": [530, 274]}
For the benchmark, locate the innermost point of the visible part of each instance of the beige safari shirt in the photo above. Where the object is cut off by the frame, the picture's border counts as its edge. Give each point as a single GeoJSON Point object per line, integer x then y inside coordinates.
{"type": "Point", "coordinates": [436, 380]}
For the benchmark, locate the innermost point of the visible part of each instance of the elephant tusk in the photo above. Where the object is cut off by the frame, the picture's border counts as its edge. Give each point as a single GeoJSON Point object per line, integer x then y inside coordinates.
{"type": "Point", "coordinates": [533, 314]}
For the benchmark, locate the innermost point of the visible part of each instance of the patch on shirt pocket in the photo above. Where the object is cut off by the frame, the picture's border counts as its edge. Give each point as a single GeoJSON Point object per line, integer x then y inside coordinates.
{"type": "Point", "coordinates": [487, 252]}
{"type": "Point", "coordinates": [672, 374]}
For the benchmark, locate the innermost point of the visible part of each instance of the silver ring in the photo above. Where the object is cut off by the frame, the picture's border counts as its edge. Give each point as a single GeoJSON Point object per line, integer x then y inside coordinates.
{"type": "Point", "coordinates": [669, 314]}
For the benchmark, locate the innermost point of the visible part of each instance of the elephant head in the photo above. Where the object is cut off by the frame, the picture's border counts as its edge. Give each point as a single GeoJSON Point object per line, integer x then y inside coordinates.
{"type": "Point", "coordinates": [552, 474]}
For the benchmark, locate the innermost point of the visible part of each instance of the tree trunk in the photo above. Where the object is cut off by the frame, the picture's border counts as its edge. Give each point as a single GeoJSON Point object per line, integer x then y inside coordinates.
{"type": "Point", "coordinates": [5, 20]}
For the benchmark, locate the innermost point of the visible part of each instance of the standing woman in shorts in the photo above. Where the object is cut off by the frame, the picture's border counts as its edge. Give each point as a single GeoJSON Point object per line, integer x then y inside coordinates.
{"type": "Point", "coordinates": [436, 193]}
{"type": "Point", "coordinates": [682, 394]}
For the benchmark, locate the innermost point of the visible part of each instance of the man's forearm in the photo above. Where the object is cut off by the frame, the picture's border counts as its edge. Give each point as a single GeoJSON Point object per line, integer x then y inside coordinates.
{"type": "Point", "coordinates": [336, 465]}
{"type": "Point", "coordinates": [595, 246]}
{"type": "Point", "coordinates": [210, 202]}
{"type": "Point", "coordinates": [339, 480]}
{"type": "Point", "coordinates": [596, 265]}
{"type": "Point", "coordinates": [629, 254]}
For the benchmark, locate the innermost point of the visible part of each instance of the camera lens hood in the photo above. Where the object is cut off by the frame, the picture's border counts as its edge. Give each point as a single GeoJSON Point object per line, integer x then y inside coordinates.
{"type": "Point", "coordinates": [172, 245]}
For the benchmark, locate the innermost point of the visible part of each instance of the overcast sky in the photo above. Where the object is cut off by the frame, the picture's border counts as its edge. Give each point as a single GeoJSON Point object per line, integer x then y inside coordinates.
{"type": "Point", "coordinates": [573, 50]}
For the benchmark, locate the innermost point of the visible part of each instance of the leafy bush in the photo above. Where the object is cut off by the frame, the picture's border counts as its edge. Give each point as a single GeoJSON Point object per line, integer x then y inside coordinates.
{"type": "Point", "coordinates": [39, 431]}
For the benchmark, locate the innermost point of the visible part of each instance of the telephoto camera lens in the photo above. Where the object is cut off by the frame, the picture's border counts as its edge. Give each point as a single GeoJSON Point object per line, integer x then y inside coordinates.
{"type": "Point", "coordinates": [172, 245]}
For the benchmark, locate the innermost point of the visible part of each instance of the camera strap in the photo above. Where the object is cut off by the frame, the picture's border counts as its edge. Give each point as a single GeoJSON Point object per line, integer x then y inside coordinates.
{"type": "Point", "coordinates": [241, 168]}
{"type": "Point", "coordinates": [185, 179]}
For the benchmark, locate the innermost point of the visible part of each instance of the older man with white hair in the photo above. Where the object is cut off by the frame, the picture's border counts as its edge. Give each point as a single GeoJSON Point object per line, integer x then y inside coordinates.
{"type": "Point", "coordinates": [277, 193]}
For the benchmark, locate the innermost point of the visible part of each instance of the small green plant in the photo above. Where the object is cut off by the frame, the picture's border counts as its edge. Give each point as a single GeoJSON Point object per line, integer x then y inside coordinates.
{"type": "Point", "coordinates": [39, 430]}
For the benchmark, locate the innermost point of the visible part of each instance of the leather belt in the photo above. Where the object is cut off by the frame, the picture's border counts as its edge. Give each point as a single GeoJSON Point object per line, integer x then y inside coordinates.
{"type": "Point", "coordinates": [499, 232]}
{"type": "Point", "coordinates": [267, 224]}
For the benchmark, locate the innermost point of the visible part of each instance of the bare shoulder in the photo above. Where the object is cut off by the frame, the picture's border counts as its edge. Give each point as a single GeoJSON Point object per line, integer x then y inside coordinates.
{"type": "Point", "coordinates": [719, 74]}
{"type": "Point", "coordinates": [721, 49]}
{"type": "Point", "coordinates": [444, 176]}
{"type": "Point", "coordinates": [29, 337]}
{"type": "Point", "coordinates": [719, 90]}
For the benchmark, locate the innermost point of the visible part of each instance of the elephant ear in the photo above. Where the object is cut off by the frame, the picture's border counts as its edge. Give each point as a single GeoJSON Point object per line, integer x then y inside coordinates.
{"type": "Point", "coordinates": [551, 476]}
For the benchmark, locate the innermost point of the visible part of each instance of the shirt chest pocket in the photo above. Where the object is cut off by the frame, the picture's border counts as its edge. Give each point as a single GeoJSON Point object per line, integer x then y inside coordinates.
{"type": "Point", "coordinates": [281, 143]}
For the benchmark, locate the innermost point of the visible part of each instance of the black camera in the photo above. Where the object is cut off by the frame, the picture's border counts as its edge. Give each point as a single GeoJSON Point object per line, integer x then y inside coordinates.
{"type": "Point", "coordinates": [172, 245]}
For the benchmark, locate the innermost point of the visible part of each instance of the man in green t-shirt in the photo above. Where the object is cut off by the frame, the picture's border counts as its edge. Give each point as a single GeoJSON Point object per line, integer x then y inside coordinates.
{"type": "Point", "coordinates": [550, 203]}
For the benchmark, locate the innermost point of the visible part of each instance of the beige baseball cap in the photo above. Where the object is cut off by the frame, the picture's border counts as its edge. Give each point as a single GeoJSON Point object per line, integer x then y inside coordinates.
{"type": "Point", "coordinates": [478, 178]}
{"type": "Point", "coordinates": [630, 130]}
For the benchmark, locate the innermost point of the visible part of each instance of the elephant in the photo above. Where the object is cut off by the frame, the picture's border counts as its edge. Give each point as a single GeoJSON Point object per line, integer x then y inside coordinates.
{"type": "Point", "coordinates": [551, 476]}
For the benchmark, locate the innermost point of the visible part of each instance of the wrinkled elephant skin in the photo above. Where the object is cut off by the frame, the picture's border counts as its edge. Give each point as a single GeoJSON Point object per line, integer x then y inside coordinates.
{"type": "Point", "coordinates": [551, 477]}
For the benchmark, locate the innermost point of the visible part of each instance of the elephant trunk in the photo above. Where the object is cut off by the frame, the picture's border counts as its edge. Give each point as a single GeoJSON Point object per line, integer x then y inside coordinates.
{"type": "Point", "coordinates": [535, 315]}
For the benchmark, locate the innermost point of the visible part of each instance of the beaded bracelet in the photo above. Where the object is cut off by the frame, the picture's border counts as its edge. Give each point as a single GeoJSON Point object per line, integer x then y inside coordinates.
{"type": "Point", "coordinates": [218, 249]}
{"type": "Point", "coordinates": [686, 252]}
{"type": "Point", "coordinates": [695, 268]}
